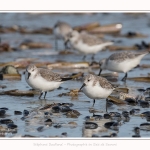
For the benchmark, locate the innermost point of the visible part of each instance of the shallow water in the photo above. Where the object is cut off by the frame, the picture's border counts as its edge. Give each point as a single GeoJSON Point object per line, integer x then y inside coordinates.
{"type": "Point", "coordinates": [134, 23]}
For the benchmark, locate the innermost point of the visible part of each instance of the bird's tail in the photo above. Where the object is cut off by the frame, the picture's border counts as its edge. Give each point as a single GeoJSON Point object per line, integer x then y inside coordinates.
{"type": "Point", "coordinates": [108, 43]}
{"type": "Point", "coordinates": [66, 79]}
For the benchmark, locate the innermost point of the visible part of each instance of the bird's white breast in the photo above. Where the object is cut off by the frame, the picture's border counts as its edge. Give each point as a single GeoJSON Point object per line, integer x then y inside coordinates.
{"type": "Point", "coordinates": [40, 83]}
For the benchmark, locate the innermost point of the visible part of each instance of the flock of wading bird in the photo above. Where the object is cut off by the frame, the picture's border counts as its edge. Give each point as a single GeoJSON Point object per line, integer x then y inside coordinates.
{"type": "Point", "coordinates": [94, 86]}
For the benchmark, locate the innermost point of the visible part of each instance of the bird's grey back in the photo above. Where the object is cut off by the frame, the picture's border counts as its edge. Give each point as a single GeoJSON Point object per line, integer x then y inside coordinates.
{"type": "Point", "coordinates": [122, 56]}
{"type": "Point", "coordinates": [104, 83]}
{"type": "Point", "coordinates": [49, 75]}
{"type": "Point", "coordinates": [90, 40]}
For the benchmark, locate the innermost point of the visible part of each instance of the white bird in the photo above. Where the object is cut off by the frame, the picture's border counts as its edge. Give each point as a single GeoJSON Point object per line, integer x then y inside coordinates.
{"type": "Point", "coordinates": [61, 30]}
{"type": "Point", "coordinates": [86, 43]}
{"type": "Point", "coordinates": [96, 87]}
{"type": "Point", "coordinates": [43, 79]}
{"type": "Point", "coordinates": [121, 62]}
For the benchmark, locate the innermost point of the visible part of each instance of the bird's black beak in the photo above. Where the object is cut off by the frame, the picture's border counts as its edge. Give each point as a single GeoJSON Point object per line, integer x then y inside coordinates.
{"type": "Point", "coordinates": [100, 72]}
{"type": "Point", "coordinates": [82, 86]}
{"type": "Point", "coordinates": [29, 75]}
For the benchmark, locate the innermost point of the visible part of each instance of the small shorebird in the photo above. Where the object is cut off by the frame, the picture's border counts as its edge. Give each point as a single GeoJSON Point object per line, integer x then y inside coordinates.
{"type": "Point", "coordinates": [121, 62]}
{"type": "Point", "coordinates": [86, 43]}
{"type": "Point", "coordinates": [61, 30]}
{"type": "Point", "coordinates": [43, 79]}
{"type": "Point", "coordinates": [96, 87]}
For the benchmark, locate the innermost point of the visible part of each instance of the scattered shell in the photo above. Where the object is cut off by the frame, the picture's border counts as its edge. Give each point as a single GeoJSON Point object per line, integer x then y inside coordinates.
{"type": "Point", "coordinates": [57, 126]}
{"type": "Point", "coordinates": [145, 126]}
{"type": "Point", "coordinates": [18, 93]}
{"type": "Point", "coordinates": [90, 125]}
{"type": "Point", "coordinates": [112, 125]}
{"type": "Point", "coordinates": [73, 114]}
{"type": "Point", "coordinates": [11, 126]}
{"type": "Point", "coordinates": [6, 121]}
{"type": "Point", "coordinates": [134, 111]}
{"type": "Point", "coordinates": [116, 100]}
{"type": "Point", "coordinates": [17, 112]}
{"type": "Point", "coordinates": [9, 69]}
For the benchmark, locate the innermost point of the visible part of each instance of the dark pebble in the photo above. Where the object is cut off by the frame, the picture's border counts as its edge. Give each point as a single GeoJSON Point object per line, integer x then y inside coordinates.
{"type": "Point", "coordinates": [17, 112]}
{"type": "Point", "coordinates": [146, 113]}
{"type": "Point", "coordinates": [57, 126]}
{"type": "Point", "coordinates": [136, 136]}
{"type": "Point", "coordinates": [55, 109]}
{"type": "Point", "coordinates": [137, 130]}
{"type": "Point", "coordinates": [64, 134]}
{"type": "Point", "coordinates": [126, 119]}
{"type": "Point", "coordinates": [143, 104]}
{"type": "Point", "coordinates": [114, 114]}
{"type": "Point", "coordinates": [113, 134]}
{"type": "Point", "coordinates": [97, 117]}
{"type": "Point", "coordinates": [25, 112]}
{"type": "Point", "coordinates": [90, 125]}
{"type": "Point", "coordinates": [145, 45]}
{"type": "Point", "coordinates": [141, 90]}
{"type": "Point", "coordinates": [112, 125]}
{"type": "Point", "coordinates": [67, 104]}
{"type": "Point", "coordinates": [4, 108]}
{"type": "Point", "coordinates": [125, 113]}
{"type": "Point", "coordinates": [147, 98]}
{"type": "Point", "coordinates": [48, 122]}
{"type": "Point", "coordinates": [40, 129]}
{"type": "Point", "coordinates": [95, 135]}
{"type": "Point", "coordinates": [107, 116]}
{"type": "Point", "coordinates": [12, 126]}
{"type": "Point", "coordinates": [22, 118]}
{"type": "Point", "coordinates": [2, 112]}
{"type": "Point", "coordinates": [148, 118]}
{"type": "Point", "coordinates": [6, 121]}
{"type": "Point", "coordinates": [46, 113]}
{"type": "Point", "coordinates": [134, 111]}
{"type": "Point", "coordinates": [130, 34]}
{"type": "Point", "coordinates": [65, 109]}
{"type": "Point", "coordinates": [131, 101]}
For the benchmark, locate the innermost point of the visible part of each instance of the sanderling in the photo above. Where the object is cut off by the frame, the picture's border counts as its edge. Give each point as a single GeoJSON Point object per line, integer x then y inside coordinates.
{"type": "Point", "coordinates": [121, 62]}
{"type": "Point", "coordinates": [86, 43]}
{"type": "Point", "coordinates": [96, 87]}
{"type": "Point", "coordinates": [43, 79]}
{"type": "Point", "coordinates": [61, 30]}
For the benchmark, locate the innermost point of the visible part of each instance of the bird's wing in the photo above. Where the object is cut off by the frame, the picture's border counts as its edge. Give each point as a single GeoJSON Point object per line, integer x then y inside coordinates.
{"type": "Point", "coordinates": [49, 75]}
{"type": "Point", "coordinates": [91, 39]}
{"type": "Point", "coordinates": [104, 83]}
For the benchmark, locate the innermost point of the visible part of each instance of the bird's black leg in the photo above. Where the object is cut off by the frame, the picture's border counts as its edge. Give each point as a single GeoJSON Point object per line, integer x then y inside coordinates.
{"type": "Point", "coordinates": [100, 72]}
{"type": "Point", "coordinates": [106, 104]}
{"type": "Point", "coordinates": [93, 102]}
{"type": "Point", "coordinates": [93, 57]}
{"type": "Point", "coordinates": [84, 57]}
{"type": "Point", "coordinates": [45, 95]}
{"type": "Point", "coordinates": [125, 77]}
{"type": "Point", "coordinates": [40, 95]}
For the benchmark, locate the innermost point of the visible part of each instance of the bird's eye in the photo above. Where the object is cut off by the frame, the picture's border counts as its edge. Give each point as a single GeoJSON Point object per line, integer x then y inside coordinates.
{"type": "Point", "coordinates": [88, 80]}
{"type": "Point", "coordinates": [32, 70]}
